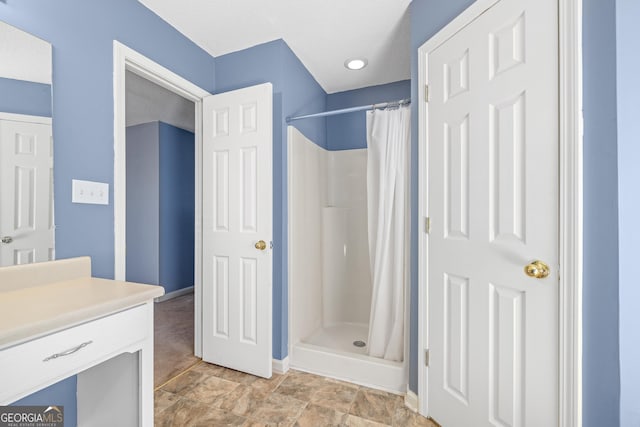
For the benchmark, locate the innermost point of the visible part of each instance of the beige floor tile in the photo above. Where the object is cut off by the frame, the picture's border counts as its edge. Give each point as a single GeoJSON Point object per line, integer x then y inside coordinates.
{"type": "Point", "coordinates": [210, 395]}
{"type": "Point", "coordinates": [266, 386]}
{"type": "Point", "coordinates": [183, 382]}
{"type": "Point", "coordinates": [236, 376]}
{"type": "Point", "coordinates": [208, 369]}
{"type": "Point", "coordinates": [305, 376]}
{"type": "Point", "coordinates": [314, 416]}
{"type": "Point", "coordinates": [335, 394]}
{"type": "Point", "coordinates": [219, 418]}
{"type": "Point", "coordinates": [300, 385]}
{"type": "Point", "coordinates": [187, 413]}
{"type": "Point", "coordinates": [420, 421]}
{"type": "Point", "coordinates": [277, 409]}
{"type": "Point", "coordinates": [405, 417]}
{"type": "Point", "coordinates": [375, 405]}
{"type": "Point", "coordinates": [209, 389]}
{"type": "Point", "coordinates": [244, 400]}
{"type": "Point", "coordinates": [163, 399]}
{"type": "Point", "coordinates": [353, 421]}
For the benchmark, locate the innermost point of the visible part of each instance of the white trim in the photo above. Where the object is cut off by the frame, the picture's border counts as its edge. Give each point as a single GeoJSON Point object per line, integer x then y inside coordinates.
{"type": "Point", "coordinates": [423, 247]}
{"type": "Point", "coordinates": [175, 294]}
{"type": "Point", "coordinates": [280, 366]}
{"type": "Point", "coordinates": [411, 400]}
{"type": "Point", "coordinates": [43, 120]}
{"type": "Point", "coordinates": [290, 288]}
{"type": "Point", "coordinates": [570, 216]}
{"type": "Point", "coordinates": [125, 58]}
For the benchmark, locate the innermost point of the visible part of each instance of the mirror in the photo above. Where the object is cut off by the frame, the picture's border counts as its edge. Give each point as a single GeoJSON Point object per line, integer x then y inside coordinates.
{"type": "Point", "coordinates": [26, 148]}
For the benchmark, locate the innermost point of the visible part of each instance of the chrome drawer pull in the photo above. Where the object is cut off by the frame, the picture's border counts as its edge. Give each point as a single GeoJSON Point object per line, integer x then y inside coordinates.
{"type": "Point", "coordinates": [68, 352]}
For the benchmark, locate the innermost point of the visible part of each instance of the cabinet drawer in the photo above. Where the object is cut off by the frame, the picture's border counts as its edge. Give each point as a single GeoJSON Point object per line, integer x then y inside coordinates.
{"type": "Point", "coordinates": [38, 363]}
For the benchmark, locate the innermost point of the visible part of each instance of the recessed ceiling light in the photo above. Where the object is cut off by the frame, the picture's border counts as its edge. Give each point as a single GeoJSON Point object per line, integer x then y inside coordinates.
{"type": "Point", "coordinates": [356, 63]}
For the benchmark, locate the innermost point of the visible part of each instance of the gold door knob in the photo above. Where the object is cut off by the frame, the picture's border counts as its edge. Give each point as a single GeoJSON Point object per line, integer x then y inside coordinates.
{"type": "Point", "coordinates": [261, 245]}
{"type": "Point", "coordinates": [537, 269]}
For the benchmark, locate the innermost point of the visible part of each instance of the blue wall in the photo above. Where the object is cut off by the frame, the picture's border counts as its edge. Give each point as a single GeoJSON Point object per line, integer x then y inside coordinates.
{"type": "Point", "coordinates": [295, 92]}
{"type": "Point", "coordinates": [160, 205]}
{"type": "Point", "coordinates": [628, 93]}
{"type": "Point", "coordinates": [82, 35]}
{"type": "Point", "coordinates": [143, 200]}
{"type": "Point", "coordinates": [349, 131]}
{"type": "Point", "coordinates": [427, 17]}
{"type": "Point", "coordinates": [23, 97]}
{"type": "Point", "coordinates": [177, 207]}
{"type": "Point", "coordinates": [601, 376]}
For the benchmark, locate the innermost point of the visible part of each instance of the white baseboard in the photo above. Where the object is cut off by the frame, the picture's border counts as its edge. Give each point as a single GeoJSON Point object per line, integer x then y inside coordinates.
{"type": "Point", "coordinates": [281, 366]}
{"type": "Point", "coordinates": [411, 400]}
{"type": "Point", "coordinates": [175, 294]}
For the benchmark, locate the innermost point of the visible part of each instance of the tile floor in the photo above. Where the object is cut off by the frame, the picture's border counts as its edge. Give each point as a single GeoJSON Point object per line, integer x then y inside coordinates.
{"type": "Point", "coordinates": [210, 395]}
{"type": "Point", "coordinates": [193, 393]}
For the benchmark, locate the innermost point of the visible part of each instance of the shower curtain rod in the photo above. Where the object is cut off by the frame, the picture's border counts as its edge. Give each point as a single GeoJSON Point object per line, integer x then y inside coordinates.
{"type": "Point", "coordinates": [352, 109]}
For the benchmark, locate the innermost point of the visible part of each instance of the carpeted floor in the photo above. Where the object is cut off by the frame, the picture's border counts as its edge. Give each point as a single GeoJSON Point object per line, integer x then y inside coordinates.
{"type": "Point", "coordinates": [173, 338]}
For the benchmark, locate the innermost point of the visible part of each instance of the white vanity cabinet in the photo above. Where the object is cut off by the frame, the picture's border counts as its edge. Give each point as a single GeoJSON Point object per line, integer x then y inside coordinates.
{"type": "Point", "coordinates": [57, 321]}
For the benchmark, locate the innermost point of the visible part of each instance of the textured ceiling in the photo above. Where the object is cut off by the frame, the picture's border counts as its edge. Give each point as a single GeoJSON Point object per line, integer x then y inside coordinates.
{"type": "Point", "coordinates": [322, 33]}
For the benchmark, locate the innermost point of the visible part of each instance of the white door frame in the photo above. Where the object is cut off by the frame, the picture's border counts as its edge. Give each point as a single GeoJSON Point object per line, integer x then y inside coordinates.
{"type": "Point", "coordinates": [125, 58]}
{"type": "Point", "coordinates": [570, 204]}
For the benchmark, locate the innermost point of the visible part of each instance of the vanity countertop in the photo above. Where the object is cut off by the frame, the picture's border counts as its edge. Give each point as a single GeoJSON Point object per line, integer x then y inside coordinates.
{"type": "Point", "coordinates": [30, 312]}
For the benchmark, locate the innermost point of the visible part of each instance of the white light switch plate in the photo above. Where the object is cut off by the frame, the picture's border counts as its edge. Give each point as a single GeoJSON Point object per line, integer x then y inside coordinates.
{"type": "Point", "coordinates": [96, 193]}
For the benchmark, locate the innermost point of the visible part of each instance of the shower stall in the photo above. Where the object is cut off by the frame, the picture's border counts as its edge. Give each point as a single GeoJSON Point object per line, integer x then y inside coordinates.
{"type": "Point", "coordinates": [330, 283]}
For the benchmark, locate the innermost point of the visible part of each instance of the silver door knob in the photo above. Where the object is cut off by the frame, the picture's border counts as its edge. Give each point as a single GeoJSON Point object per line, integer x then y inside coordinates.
{"type": "Point", "coordinates": [7, 239]}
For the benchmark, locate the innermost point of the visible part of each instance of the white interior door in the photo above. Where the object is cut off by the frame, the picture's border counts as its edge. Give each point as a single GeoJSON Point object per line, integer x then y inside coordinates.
{"type": "Point", "coordinates": [26, 191]}
{"type": "Point", "coordinates": [237, 234]}
{"type": "Point", "coordinates": [493, 203]}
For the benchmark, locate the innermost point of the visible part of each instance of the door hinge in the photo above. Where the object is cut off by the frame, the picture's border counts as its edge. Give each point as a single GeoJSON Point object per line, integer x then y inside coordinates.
{"type": "Point", "coordinates": [426, 93]}
{"type": "Point", "coordinates": [427, 225]}
{"type": "Point", "coordinates": [426, 357]}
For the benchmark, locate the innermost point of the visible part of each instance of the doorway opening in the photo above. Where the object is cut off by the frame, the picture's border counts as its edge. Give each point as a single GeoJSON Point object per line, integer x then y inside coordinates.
{"type": "Point", "coordinates": [129, 64]}
{"type": "Point", "coordinates": [160, 217]}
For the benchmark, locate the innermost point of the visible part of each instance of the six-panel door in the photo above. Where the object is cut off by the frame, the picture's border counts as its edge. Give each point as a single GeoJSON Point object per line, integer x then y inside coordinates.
{"type": "Point", "coordinates": [237, 222]}
{"type": "Point", "coordinates": [493, 203]}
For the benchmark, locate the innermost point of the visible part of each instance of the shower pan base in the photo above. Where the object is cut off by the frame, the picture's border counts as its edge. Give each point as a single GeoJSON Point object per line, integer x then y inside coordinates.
{"type": "Point", "coordinates": [340, 337]}
{"type": "Point", "coordinates": [330, 352]}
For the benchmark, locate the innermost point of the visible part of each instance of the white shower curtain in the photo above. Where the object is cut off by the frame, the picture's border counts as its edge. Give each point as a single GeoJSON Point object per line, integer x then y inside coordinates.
{"type": "Point", "coordinates": [388, 136]}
